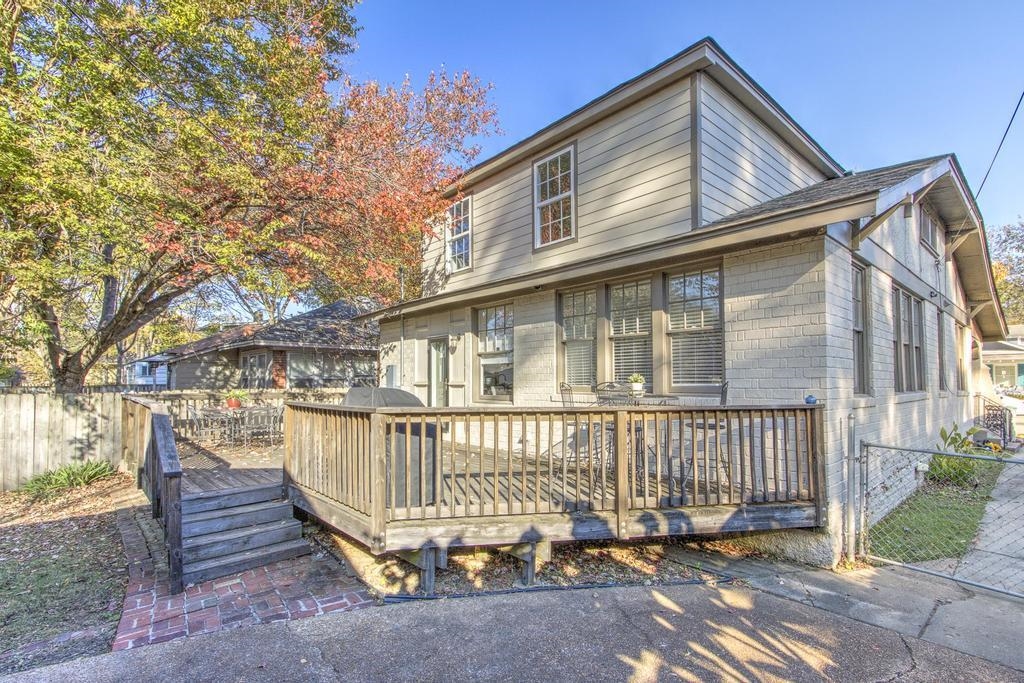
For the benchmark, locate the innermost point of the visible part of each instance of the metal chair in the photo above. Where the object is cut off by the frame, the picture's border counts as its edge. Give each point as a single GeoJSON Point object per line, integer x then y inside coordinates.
{"type": "Point", "coordinates": [261, 422]}
{"type": "Point", "coordinates": [568, 400]}
{"type": "Point", "coordinates": [208, 426]}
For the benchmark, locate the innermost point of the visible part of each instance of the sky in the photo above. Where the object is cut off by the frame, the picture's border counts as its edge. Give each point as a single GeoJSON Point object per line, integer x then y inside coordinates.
{"type": "Point", "coordinates": [873, 83]}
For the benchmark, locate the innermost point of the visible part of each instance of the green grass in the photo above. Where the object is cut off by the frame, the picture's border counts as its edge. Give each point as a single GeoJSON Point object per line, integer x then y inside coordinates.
{"type": "Point", "coordinates": [940, 520]}
{"type": "Point", "coordinates": [72, 475]}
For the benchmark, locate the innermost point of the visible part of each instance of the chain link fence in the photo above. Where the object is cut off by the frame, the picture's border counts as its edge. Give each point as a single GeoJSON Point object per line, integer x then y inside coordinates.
{"type": "Point", "coordinates": [949, 514]}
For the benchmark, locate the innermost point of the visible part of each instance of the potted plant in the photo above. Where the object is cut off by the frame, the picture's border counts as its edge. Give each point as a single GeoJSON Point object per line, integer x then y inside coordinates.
{"type": "Point", "coordinates": [235, 397]}
{"type": "Point", "coordinates": [636, 382]}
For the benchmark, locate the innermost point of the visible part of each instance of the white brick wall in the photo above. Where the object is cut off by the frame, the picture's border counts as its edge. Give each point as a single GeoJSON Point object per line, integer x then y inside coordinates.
{"type": "Point", "coordinates": [788, 333]}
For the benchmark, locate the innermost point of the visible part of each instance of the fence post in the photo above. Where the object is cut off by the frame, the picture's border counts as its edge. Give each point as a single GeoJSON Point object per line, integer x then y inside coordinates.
{"type": "Point", "coordinates": [864, 473]}
{"type": "Point", "coordinates": [286, 465]}
{"type": "Point", "coordinates": [378, 482]}
{"type": "Point", "coordinates": [621, 473]}
{"type": "Point", "coordinates": [851, 487]}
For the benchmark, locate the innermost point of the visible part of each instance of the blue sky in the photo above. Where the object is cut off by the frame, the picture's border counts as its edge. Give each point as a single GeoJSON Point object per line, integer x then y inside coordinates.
{"type": "Point", "coordinates": [873, 83]}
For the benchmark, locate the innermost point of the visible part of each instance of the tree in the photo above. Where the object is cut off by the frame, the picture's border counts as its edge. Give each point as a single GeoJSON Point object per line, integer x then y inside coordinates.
{"type": "Point", "coordinates": [152, 148]}
{"type": "Point", "coordinates": [1007, 246]}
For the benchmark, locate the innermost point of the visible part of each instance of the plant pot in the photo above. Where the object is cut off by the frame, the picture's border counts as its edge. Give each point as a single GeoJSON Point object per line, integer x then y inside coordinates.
{"type": "Point", "coordinates": [636, 387]}
{"type": "Point", "coordinates": [234, 403]}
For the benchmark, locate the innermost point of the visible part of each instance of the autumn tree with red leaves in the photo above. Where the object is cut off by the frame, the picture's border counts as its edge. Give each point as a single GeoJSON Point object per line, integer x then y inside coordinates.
{"type": "Point", "coordinates": [148, 150]}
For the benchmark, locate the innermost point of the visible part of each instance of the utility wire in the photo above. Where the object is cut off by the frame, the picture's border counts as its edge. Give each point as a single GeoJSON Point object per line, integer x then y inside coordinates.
{"type": "Point", "coordinates": [1000, 147]}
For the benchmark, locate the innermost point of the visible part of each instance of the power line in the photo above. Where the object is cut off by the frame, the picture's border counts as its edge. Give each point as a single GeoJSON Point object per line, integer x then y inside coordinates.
{"type": "Point", "coordinates": [1000, 147]}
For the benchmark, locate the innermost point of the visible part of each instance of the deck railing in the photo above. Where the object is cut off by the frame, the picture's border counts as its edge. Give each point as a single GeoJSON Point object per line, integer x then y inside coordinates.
{"type": "Point", "coordinates": [149, 449]}
{"type": "Point", "coordinates": [396, 478]}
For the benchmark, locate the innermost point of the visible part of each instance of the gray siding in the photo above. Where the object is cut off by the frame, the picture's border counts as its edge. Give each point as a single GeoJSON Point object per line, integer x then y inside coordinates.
{"type": "Point", "coordinates": [209, 371]}
{"type": "Point", "coordinates": [743, 163]}
{"type": "Point", "coordinates": [633, 187]}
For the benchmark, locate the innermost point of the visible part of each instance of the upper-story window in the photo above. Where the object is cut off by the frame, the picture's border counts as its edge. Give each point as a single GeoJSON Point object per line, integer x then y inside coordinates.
{"type": "Point", "coordinates": [554, 187]}
{"type": "Point", "coordinates": [929, 228]}
{"type": "Point", "coordinates": [460, 227]}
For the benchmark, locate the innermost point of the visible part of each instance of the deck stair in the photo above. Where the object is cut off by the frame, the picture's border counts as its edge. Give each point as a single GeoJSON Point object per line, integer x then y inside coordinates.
{"type": "Point", "coordinates": [230, 530]}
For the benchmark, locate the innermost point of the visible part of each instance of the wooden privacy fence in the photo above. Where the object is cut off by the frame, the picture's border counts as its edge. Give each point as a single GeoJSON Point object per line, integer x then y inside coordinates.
{"type": "Point", "coordinates": [403, 479]}
{"type": "Point", "coordinates": [40, 432]}
{"type": "Point", "coordinates": [149, 448]}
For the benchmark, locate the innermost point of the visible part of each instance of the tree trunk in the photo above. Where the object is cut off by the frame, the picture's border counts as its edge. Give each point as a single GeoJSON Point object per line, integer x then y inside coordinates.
{"type": "Point", "coordinates": [69, 379]}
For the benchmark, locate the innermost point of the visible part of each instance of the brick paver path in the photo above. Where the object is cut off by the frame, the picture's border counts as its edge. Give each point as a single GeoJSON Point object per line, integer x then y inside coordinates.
{"type": "Point", "coordinates": [290, 589]}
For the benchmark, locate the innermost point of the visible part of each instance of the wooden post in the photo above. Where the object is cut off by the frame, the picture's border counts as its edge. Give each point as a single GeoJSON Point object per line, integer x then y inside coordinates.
{"type": "Point", "coordinates": [621, 473]}
{"type": "Point", "coordinates": [172, 531]}
{"type": "Point", "coordinates": [286, 466]}
{"type": "Point", "coordinates": [818, 462]}
{"type": "Point", "coordinates": [378, 481]}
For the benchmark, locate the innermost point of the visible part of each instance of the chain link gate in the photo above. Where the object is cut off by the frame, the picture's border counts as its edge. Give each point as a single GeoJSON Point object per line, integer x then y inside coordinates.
{"type": "Point", "coordinates": [952, 515]}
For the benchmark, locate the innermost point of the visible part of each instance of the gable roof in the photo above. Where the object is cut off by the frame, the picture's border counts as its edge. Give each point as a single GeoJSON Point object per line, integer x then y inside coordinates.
{"type": "Point", "coordinates": [331, 327]}
{"type": "Point", "coordinates": [706, 55]}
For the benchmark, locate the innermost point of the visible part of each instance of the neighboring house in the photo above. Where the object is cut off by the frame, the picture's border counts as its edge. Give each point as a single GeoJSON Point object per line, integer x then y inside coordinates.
{"type": "Point", "coordinates": [143, 374]}
{"type": "Point", "coordinates": [682, 226]}
{"type": "Point", "coordinates": [324, 347]}
{"type": "Point", "coordinates": [1005, 359]}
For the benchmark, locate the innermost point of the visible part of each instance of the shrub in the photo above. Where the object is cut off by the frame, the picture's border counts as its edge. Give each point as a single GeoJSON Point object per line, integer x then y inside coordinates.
{"type": "Point", "coordinates": [52, 483]}
{"type": "Point", "coordinates": [947, 469]}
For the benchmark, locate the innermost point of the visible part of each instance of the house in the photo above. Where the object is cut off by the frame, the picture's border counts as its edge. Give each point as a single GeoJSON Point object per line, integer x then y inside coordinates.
{"type": "Point", "coordinates": [324, 347]}
{"type": "Point", "coordinates": [684, 227]}
{"type": "Point", "coordinates": [146, 375]}
{"type": "Point", "coordinates": [1005, 359]}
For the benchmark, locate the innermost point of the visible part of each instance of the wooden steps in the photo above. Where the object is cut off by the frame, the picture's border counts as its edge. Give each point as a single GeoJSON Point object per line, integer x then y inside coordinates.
{"type": "Point", "coordinates": [228, 531]}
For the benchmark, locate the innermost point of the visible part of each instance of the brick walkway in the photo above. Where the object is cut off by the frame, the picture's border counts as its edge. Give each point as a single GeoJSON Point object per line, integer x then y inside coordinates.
{"type": "Point", "coordinates": [290, 589]}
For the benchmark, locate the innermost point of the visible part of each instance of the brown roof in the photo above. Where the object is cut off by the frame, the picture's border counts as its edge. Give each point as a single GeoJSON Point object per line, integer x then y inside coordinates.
{"type": "Point", "coordinates": [327, 327]}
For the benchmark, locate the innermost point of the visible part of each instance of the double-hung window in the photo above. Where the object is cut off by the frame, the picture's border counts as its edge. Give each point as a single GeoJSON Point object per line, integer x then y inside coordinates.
{"type": "Point", "coordinates": [695, 327]}
{"type": "Point", "coordinates": [961, 363]}
{"type": "Point", "coordinates": [929, 228]}
{"type": "Point", "coordinates": [554, 187]}
{"type": "Point", "coordinates": [459, 235]}
{"type": "Point", "coordinates": [579, 337]}
{"type": "Point", "coordinates": [908, 340]}
{"type": "Point", "coordinates": [860, 341]}
{"type": "Point", "coordinates": [941, 344]}
{"type": "Point", "coordinates": [630, 317]}
{"type": "Point", "coordinates": [495, 331]}
{"type": "Point", "coordinates": [255, 370]}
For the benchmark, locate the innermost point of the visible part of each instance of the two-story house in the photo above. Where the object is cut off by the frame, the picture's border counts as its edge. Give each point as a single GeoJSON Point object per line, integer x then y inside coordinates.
{"type": "Point", "coordinates": [685, 228]}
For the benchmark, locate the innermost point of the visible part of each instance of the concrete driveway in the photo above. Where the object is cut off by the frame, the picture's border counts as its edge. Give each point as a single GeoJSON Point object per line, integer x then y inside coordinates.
{"type": "Point", "coordinates": [694, 632]}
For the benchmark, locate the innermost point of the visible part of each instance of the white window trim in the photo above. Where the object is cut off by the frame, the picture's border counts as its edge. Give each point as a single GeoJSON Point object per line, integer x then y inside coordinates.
{"type": "Point", "coordinates": [537, 206]}
{"type": "Point", "coordinates": [449, 262]}
{"type": "Point", "coordinates": [937, 228]}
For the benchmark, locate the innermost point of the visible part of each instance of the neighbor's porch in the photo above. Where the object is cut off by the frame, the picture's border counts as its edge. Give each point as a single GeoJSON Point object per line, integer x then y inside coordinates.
{"type": "Point", "coordinates": [425, 480]}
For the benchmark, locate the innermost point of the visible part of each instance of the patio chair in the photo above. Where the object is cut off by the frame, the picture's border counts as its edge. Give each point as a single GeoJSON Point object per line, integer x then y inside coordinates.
{"type": "Point", "coordinates": [207, 426]}
{"type": "Point", "coordinates": [263, 422]}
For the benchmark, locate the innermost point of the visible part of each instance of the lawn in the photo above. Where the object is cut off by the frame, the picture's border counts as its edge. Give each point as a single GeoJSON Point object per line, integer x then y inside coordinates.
{"type": "Point", "coordinates": [938, 521]}
{"type": "Point", "coordinates": [62, 573]}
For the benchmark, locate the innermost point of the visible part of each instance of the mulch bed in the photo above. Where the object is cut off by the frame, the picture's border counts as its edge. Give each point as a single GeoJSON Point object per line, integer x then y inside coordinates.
{"type": "Point", "coordinates": [62, 573]}
{"type": "Point", "coordinates": [477, 570]}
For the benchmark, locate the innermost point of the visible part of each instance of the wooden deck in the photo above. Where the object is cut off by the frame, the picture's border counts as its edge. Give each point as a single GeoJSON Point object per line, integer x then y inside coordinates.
{"type": "Point", "coordinates": [205, 469]}
{"type": "Point", "coordinates": [409, 479]}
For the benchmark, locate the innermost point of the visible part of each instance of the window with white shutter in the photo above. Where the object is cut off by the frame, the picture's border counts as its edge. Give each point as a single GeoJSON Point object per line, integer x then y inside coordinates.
{"type": "Point", "coordinates": [630, 317]}
{"type": "Point", "coordinates": [695, 327]}
{"type": "Point", "coordinates": [579, 337]}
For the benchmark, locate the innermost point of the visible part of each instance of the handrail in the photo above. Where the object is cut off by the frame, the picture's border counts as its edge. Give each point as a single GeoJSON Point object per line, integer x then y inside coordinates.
{"type": "Point", "coordinates": [367, 470]}
{"type": "Point", "coordinates": [149, 445]}
{"type": "Point", "coordinates": [552, 410]}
